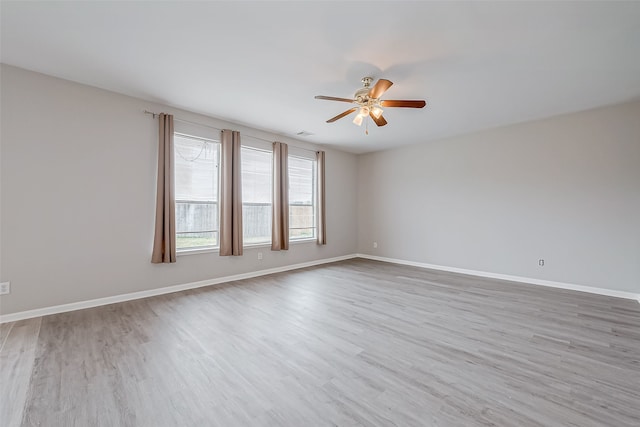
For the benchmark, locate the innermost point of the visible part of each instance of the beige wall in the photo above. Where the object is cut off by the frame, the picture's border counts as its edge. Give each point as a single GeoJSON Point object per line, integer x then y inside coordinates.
{"type": "Point", "coordinates": [78, 169]}
{"type": "Point", "coordinates": [72, 157]}
{"type": "Point", "coordinates": [566, 189]}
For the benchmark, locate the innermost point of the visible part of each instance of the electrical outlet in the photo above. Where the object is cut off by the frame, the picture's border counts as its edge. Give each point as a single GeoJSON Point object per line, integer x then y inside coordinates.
{"type": "Point", "coordinates": [259, 255]}
{"type": "Point", "coordinates": [541, 262]}
{"type": "Point", "coordinates": [375, 245]}
{"type": "Point", "coordinates": [5, 288]}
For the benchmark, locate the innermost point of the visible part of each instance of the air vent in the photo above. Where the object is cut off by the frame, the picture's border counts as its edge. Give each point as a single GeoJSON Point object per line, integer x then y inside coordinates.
{"type": "Point", "coordinates": [304, 133]}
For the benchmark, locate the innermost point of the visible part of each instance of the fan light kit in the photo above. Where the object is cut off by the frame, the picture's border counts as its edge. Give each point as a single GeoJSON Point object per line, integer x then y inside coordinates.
{"type": "Point", "coordinates": [369, 103]}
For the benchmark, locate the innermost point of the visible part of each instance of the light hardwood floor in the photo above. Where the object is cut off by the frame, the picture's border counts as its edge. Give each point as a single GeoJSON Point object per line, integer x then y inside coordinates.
{"type": "Point", "coordinates": [355, 343]}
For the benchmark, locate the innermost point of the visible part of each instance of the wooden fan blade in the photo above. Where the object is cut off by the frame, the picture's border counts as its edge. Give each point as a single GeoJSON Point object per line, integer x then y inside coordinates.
{"type": "Point", "coordinates": [380, 121]}
{"type": "Point", "coordinates": [333, 98]}
{"type": "Point", "coordinates": [402, 103]}
{"type": "Point", "coordinates": [341, 115]}
{"type": "Point", "coordinates": [380, 87]}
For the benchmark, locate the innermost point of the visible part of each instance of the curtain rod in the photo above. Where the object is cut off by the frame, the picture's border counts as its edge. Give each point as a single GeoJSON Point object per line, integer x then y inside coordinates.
{"type": "Point", "coordinates": [213, 127]}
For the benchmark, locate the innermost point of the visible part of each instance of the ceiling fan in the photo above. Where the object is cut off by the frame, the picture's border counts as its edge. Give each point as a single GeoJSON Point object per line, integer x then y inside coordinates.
{"type": "Point", "coordinates": [369, 103]}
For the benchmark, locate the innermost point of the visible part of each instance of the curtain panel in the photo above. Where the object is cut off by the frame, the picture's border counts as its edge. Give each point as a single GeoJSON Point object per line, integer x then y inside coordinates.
{"type": "Point", "coordinates": [322, 214]}
{"type": "Point", "coordinates": [230, 194]}
{"type": "Point", "coordinates": [164, 239]}
{"type": "Point", "coordinates": [280, 205]}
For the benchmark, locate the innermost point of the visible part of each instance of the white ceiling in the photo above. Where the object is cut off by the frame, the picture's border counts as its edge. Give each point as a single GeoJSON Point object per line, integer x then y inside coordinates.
{"type": "Point", "coordinates": [478, 64]}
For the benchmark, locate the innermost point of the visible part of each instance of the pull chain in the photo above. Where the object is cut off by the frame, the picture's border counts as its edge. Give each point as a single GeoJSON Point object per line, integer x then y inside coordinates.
{"type": "Point", "coordinates": [204, 143]}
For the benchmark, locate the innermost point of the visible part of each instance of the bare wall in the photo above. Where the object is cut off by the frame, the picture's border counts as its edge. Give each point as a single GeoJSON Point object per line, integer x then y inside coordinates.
{"type": "Point", "coordinates": [78, 167]}
{"type": "Point", "coordinates": [566, 190]}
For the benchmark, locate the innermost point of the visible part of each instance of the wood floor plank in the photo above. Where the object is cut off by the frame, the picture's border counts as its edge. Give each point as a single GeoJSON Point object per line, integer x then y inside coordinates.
{"type": "Point", "coordinates": [354, 343]}
{"type": "Point", "coordinates": [17, 356]}
{"type": "Point", "coordinates": [5, 328]}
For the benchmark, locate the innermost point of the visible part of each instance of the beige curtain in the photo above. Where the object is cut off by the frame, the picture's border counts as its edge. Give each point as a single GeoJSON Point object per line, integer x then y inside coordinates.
{"type": "Point", "coordinates": [280, 209]}
{"type": "Point", "coordinates": [322, 220]}
{"type": "Point", "coordinates": [230, 194]}
{"type": "Point", "coordinates": [164, 239]}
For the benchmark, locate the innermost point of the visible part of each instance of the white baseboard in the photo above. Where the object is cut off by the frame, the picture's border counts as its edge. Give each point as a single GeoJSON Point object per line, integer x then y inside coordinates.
{"type": "Point", "coordinates": [193, 285]}
{"type": "Point", "coordinates": [160, 291]}
{"type": "Point", "coordinates": [527, 280]}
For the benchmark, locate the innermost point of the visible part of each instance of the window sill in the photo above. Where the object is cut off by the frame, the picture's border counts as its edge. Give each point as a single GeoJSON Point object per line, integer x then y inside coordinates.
{"type": "Point", "coordinates": [196, 251]}
{"type": "Point", "coordinates": [257, 245]}
{"type": "Point", "coordinates": [299, 241]}
{"type": "Point", "coordinates": [182, 252]}
{"type": "Point", "coordinates": [268, 245]}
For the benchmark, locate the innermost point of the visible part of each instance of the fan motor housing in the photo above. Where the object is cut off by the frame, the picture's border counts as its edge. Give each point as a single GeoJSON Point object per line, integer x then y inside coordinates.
{"type": "Point", "coordinates": [362, 95]}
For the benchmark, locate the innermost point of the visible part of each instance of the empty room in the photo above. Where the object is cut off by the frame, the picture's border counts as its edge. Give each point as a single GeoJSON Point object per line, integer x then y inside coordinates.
{"type": "Point", "coordinates": [319, 213]}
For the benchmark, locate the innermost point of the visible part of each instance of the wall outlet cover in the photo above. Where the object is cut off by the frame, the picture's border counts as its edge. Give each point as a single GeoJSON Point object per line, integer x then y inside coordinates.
{"type": "Point", "coordinates": [5, 288]}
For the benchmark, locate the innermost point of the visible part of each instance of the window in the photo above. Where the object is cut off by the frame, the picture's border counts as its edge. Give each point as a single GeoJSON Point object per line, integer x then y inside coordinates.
{"type": "Point", "coordinates": [196, 185]}
{"type": "Point", "coordinates": [257, 165]}
{"type": "Point", "coordinates": [302, 199]}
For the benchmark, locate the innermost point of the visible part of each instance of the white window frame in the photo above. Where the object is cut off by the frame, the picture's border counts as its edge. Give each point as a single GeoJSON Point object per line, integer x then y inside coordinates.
{"type": "Point", "coordinates": [202, 133]}
{"type": "Point", "coordinates": [307, 155]}
{"type": "Point", "coordinates": [258, 145]}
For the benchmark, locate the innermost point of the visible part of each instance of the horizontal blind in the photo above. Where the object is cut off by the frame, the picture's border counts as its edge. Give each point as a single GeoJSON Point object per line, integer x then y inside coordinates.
{"type": "Point", "coordinates": [196, 187]}
{"type": "Point", "coordinates": [302, 198]}
{"type": "Point", "coordinates": [257, 169]}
